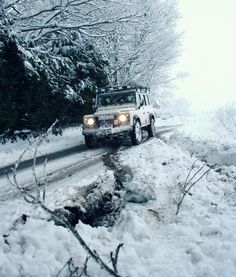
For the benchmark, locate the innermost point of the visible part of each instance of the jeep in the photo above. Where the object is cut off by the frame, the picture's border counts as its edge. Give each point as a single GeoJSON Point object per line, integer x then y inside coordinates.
{"type": "Point", "coordinates": [119, 111]}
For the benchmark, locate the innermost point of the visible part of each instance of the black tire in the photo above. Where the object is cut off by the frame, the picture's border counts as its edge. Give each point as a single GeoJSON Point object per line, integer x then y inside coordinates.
{"type": "Point", "coordinates": [136, 133]}
{"type": "Point", "coordinates": [151, 128]}
{"type": "Point", "coordinates": [90, 141]}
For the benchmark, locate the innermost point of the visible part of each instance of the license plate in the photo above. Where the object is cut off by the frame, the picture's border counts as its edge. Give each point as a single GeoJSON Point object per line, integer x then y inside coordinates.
{"type": "Point", "coordinates": [105, 117]}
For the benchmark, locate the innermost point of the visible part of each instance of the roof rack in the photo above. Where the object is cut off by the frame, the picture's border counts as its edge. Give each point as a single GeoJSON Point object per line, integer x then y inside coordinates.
{"type": "Point", "coordinates": [110, 89]}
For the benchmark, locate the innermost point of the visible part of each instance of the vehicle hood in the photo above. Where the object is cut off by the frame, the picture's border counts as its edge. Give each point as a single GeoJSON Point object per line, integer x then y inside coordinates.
{"type": "Point", "coordinates": [114, 109]}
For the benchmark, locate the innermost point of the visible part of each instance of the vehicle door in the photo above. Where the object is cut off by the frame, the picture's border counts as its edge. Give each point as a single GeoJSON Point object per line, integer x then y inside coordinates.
{"type": "Point", "coordinates": [149, 109]}
{"type": "Point", "coordinates": [142, 109]}
{"type": "Point", "coordinates": [146, 108]}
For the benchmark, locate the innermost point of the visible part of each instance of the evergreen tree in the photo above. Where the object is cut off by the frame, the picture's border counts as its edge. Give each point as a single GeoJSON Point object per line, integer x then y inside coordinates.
{"type": "Point", "coordinates": [33, 94]}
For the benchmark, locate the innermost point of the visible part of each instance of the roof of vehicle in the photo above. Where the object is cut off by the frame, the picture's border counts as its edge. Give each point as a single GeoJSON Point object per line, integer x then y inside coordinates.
{"type": "Point", "coordinates": [109, 89]}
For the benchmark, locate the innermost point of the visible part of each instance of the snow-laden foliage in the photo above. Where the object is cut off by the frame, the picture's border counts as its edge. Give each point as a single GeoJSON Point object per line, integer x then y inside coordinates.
{"type": "Point", "coordinates": [33, 96]}
{"type": "Point", "coordinates": [137, 37]}
{"type": "Point", "coordinates": [143, 50]}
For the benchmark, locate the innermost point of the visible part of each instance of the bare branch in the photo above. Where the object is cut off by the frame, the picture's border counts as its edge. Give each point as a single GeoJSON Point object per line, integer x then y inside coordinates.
{"type": "Point", "coordinates": [189, 183]}
{"type": "Point", "coordinates": [45, 179]}
{"type": "Point", "coordinates": [114, 259]}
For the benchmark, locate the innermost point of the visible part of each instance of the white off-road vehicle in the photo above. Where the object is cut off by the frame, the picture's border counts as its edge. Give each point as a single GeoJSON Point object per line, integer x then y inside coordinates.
{"type": "Point", "coordinates": [120, 111]}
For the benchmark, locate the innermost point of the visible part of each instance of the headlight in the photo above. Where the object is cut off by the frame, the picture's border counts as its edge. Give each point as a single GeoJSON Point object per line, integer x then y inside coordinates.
{"type": "Point", "coordinates": [89, 121]}
{"type": "Point", "coordinates": [121, 119]}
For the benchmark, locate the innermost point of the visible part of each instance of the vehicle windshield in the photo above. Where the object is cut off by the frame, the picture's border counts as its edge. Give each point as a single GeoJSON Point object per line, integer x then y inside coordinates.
{"type": "Point", "coordinates": [118, 98]}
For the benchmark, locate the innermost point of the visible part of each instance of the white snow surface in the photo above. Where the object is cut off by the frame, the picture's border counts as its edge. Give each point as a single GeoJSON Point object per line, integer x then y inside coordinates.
{"type": "Point", "coordinates": [200, 241]}
{"type": "Point", "coordinates": [10, 152]}
{"type": "Point", "coordinates": [206, 138]}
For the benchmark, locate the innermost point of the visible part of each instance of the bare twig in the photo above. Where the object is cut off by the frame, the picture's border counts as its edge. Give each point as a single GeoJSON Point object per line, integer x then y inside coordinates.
{"type": "Point", "coordinates": [85, 268]}
{"type": "Point", "coordinates": [65, 265]}
{"type": "Point", "coordinates": [73, 270]}
{"type": "Point", "coordinates": [114, 258]}
{"type": "Point", "coordinates": [189, 183]}
{"type": "Point", "coordinates": [190, 171]}
{"type": "Point", "coordinates": [45, 178]}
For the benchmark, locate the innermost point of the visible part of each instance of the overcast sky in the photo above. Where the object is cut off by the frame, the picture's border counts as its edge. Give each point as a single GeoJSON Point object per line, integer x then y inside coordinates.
{"type": "Point", "coordinates": [209, 52]}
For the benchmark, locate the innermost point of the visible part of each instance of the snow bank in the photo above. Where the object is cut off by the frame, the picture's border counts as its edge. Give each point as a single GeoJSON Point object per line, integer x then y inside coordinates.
{"type": "Point", "coordinates": [211, 151]}
{"type": "Point", "coordinates": [39, 248]}
{"type": "Point", "coordinates": [207, 126]}
{"type": "Point", "coordinates": [199, 241]}
{"type": "Point", "coordinates": [205, 137]}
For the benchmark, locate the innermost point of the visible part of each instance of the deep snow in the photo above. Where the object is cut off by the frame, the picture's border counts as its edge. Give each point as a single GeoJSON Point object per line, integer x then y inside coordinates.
{"type": "Point", "coordinates": [199, 241]}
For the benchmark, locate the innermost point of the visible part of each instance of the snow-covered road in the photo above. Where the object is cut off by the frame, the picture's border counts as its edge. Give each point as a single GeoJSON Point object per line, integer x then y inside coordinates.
{"type": "Point", "coordinates": [61, 150]}
{"type": "Point", "coordinates": [60, 164]}
{"type": "Point", "coordinates": [56, 170]}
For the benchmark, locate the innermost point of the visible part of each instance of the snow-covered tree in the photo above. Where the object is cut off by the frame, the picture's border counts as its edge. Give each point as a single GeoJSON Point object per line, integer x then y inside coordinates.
{"type": "Point", "coordinates": [137, 37]}
{"type": "Point", "coordinates": [47, 30]}
{"type": "Point", "coordinates": [143, 50]}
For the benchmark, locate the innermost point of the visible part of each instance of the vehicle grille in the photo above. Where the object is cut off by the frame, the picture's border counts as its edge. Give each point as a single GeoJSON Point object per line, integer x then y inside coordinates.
{"type": "Point", "coordinates": [105, 123]}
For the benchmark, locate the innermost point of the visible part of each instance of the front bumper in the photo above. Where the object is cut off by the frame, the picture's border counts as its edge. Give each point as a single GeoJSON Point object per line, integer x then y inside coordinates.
{"type": "Point", "coordinates": [107, 132]}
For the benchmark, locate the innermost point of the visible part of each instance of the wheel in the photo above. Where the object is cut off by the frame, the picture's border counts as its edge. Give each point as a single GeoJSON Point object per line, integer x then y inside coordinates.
{"type": "Point", "coordinates": [90, 141]}
{"type": "Point", "coordinates": [151, 128]}
{"type": "Point", "coordinates": [136, 134]}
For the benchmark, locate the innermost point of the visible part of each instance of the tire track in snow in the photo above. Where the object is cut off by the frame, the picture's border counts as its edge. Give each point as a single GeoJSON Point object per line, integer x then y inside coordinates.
{"type": "Point", "coordinates": [109, 159]}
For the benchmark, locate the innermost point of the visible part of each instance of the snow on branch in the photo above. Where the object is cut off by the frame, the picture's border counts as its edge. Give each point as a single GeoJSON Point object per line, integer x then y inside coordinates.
{"type": "Point", "coordinates": [138, 38]}
{"type": "Point", "coordinates": [79, 26]}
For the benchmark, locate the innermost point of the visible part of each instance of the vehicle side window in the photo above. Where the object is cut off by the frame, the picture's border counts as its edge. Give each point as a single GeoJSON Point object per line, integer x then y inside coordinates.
{"type": "Point", "coordinates": [139, 99]}
{"type": "Point", "coordinates": [145, 100]}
